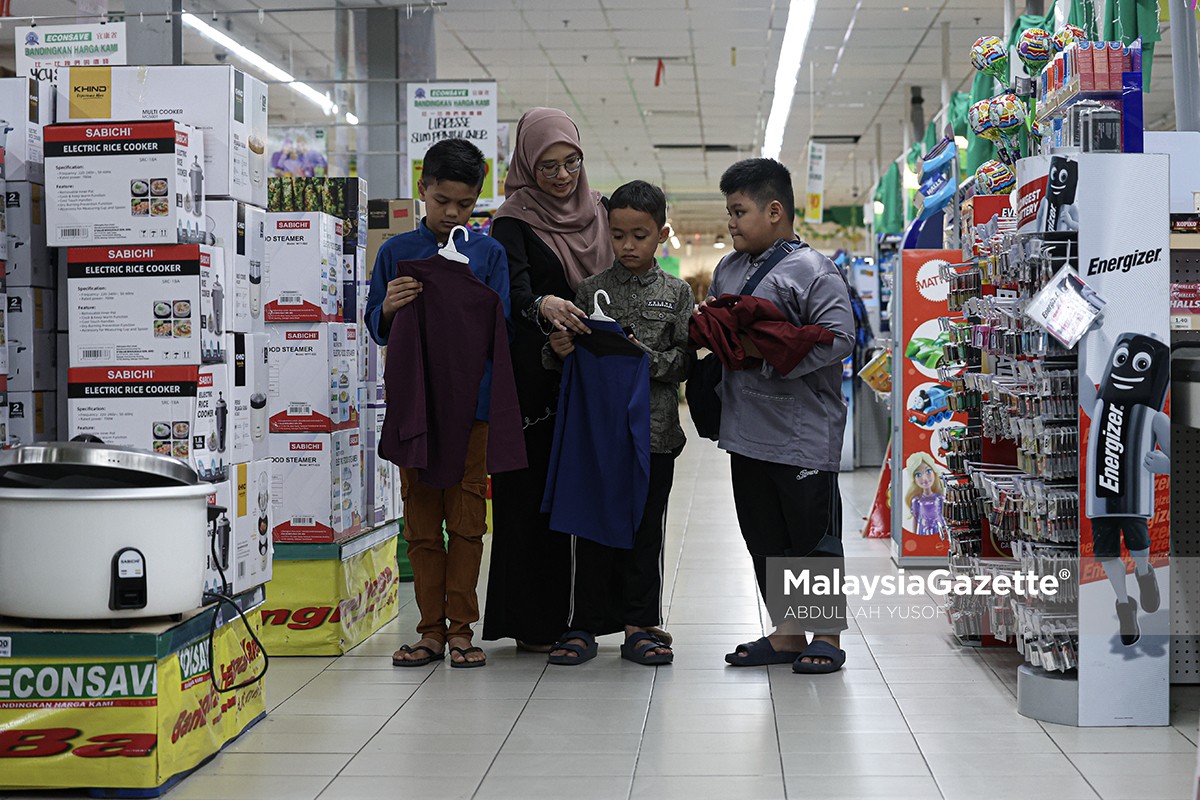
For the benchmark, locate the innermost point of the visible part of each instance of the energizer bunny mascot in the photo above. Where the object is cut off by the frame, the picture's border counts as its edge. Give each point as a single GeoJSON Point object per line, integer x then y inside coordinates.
{"type": "Point", "coordinates": [1127, 423]}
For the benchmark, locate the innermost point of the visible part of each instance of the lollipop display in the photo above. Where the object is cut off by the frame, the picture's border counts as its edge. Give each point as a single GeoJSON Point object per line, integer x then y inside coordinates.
{"type": "Point", "coordinates": [990, 56]}
{"type": "Point", "coordinates": [979, 117]}
{"type": "Point", "coordinates": [1070, 33]}
{"type": "Point", "coordinates": [1035, 49]}
{"type": "Point", "coordinates": [995, 177]}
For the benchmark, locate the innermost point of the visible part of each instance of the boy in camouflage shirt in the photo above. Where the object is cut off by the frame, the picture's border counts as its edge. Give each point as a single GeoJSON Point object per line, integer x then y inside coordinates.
{"type": "Point", "coordinates": [653, 308]}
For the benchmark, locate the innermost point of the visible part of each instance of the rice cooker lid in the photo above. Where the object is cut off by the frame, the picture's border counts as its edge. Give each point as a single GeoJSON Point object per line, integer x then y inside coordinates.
{"type": "Point", "coordinates": [88, 464]}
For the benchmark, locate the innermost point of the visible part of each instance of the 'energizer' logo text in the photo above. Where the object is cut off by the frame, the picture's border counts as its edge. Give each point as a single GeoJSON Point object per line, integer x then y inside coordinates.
{"type": "Point", "coordinates": [1110, 475]}
{"type": "Point", "coordinates": [1099, 266]}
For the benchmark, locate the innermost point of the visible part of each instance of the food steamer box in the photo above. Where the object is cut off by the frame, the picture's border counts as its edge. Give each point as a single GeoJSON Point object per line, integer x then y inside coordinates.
{"type": "Point", "coordinates": [31, 418]}
{"type": "Point", "coordinates": [29, 107]}
{"type": "Point", "coordinates": [242, 534]}
{"type": "Point", "coordinates": [29, 262]}
{"type": "Point", "coordinates": [210, 448]}
{"type": "Point", "coordinates": [116, 183]}
{"type": "Point", "coordinates": [313, 377]}
{"type": "Point", "coordinates": [149, 304]}
{"type": "Point", "coordinates": [303, 263]}
{"type": "Point", "coordinates": [227, 106]}
{"type": "Point", "coordinates": [148, 407]}
{"type": "Point", "coordinates": [315, 486]}
{"type": "Point", "coordinates": [30, 332]}
{"type": "Point", "coordinates": [344, 198]}
{"type": "Point", "coordinates": [239, 229]}
{"type": "Point", "coordinates": [246, 355]}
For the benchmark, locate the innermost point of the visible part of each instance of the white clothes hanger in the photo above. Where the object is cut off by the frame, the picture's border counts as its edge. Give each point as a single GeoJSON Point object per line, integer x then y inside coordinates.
{"type": "Point", "coordinates": [598, 314]}
{"type": "Point", "coordinates": [450, 252]}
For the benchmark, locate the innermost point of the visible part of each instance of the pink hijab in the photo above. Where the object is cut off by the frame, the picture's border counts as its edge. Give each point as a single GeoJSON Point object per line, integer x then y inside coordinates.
{"type": "Point", "coordinates": [576, 228]}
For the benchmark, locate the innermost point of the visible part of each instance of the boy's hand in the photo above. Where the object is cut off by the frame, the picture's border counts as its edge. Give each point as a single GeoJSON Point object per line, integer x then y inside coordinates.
{"type": "Point", "coordinates": [562, 343]}
{"type": "Point", "coordinates": [400, 293]}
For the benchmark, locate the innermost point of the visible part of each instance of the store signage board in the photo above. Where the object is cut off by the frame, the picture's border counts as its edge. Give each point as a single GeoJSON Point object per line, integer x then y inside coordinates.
{"type": "Point", "coordinates": [445, 110]}
{"type": "Point", "coordinates": [814, 206]}
{"type": "Point", "coordinates": [918, 521]}
{"type": "Point", "coordinates": [41, 50]}
{"type": "Point", "coordinates": [1124, 255]}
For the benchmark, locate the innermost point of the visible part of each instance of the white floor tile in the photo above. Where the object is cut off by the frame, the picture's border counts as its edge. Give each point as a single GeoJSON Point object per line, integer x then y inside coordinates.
{"type": "Point", "coordinates": [544, 788]}
{"type": "Point", "coordinates": [842, 787]}
{"type": "Point", "coordinates": [1017, 787]}
{"type": "Point", "coordinates": [689, 788]}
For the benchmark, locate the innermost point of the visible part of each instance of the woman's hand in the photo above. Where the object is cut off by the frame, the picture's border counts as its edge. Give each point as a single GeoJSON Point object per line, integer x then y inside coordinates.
{"type": "Point", "coordinates": [562, 343]}
{"type": "Point", "coordinates": [563, 314]}
{"type": "Point", "coordinates": [400, 293]}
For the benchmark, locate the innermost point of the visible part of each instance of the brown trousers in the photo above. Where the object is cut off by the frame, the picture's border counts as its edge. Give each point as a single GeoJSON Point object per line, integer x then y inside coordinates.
{"type": "Point", "coordinates": [445, 576]}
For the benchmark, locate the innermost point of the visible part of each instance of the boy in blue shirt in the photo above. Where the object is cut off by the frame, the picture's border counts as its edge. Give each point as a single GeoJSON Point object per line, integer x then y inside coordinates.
{"type": "Point", "coordinates": [444, 577]}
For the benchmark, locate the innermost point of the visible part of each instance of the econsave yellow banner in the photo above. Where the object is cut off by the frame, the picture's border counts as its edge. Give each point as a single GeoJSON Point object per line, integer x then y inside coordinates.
{"type": "Point", "coordinates": [113, 723]}
{"type": "Point", "coordinates": [327, 606]}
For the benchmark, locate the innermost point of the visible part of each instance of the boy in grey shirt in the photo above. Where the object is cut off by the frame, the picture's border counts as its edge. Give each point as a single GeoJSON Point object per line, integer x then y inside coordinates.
{"type": "Point", "coordinates": [784, 431]}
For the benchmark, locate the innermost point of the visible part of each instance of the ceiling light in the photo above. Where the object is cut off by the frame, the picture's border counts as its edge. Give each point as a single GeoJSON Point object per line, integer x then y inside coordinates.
{"type": "Point", "coordinates": [719, 242]}
{"type": "Point", "coordinates": [675, 245]}
{"type": "Point", "coordinates": [353, 120]}
{"type": "Point", "coordinates": [910, 179]}
{"type": "Point", "coordinates": [879, 208]}
{"type": "Point", "coordinates": [836, 138]}
{"type": "Point", "coordinates": [961, 142]}
{"type": "Point", "coordinates": [795, 37]}
{"type": "Point", "coordinates": [255, 60]}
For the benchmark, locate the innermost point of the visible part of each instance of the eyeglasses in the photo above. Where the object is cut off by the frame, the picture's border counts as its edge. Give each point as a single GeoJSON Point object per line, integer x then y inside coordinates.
{"type": "Point", "coordinates": [572, 165]}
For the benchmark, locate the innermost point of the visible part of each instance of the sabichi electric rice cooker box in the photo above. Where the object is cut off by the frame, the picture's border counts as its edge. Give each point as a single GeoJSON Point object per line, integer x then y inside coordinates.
{"type": "Point", "coordinates": [344, 198]}
{"type": "Point", "coordinates": [303, 267]}
{"type": "Point", "coordinates": [62, 356]}
{"type": "Point", "coordinates": [227, 106]}
{"type": "Point", "coordinates": [115, 183]}
{"type": "Point", "coordinates": [29, 261]}
{"type": "Point", "coordinates": [313, 377]}
{"type": "Point", "coordinates": [210, 447]}
{"type": "Point", "coordinates": [3, 411]}
{"type": "Point", "coordinates": [239, 230]}
{"type": "Point", "coordinates": [246, 364]}
{"type": "Point", "coordinates": [31, 418]}
{"type": "Point", "coordinates": [314, 485]}
{"type": "Point", "coordinates": [240, 538]}
{"type": "Point", "coordinates": [28, 106]}
{"type": "Point", "coordinates": [149, 407]}
{"type": "Point", "coordinates": [30, 331]}
{"type": "Point", "coordinates": [149, 304]}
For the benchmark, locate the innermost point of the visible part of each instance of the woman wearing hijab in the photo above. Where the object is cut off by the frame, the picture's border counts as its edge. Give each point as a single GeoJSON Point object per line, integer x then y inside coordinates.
{"type": "Point", "coordinates": [555, 231]}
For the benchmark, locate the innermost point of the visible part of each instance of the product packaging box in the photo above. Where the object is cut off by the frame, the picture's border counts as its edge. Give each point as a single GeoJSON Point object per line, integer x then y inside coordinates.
{"type": "Point", "coordinates": [63, 359]}
{"type": "Point", "coordinates": [313, 377]}
{"type": "Point", "coordinates": [151, 304]}
{"type": "Point", "coordinates": [239, 230]}
{"type": "Point", "coordinates": [385, 219]}
{"type": "Point", "coordinates": [246, 355]}
{"type": "Point", "coordinates": [210, 447]}
{"type": "Point", "coordinates": [31, 418]}
{"type": "Point", "coordinates": [303, 267]}
{"type": "Point", "coordinates": [241, 536]}
{"type": "Point", "coordinates": [120, 183]}
{"type": "Point", "coordinates": [3, 411]}
{"type": "Point", "coordinates": [380, 474]}
{"type": "Point", "coordinates": [28, 257]}
{"type": "Point", "coordinates": [1117, 53]}
{"type": "Point", "coordinates": [1085, 56]}
{"type": "Point", "coordinates": [227, 106]}
{"type": "Point", "coordinates": [28, 107]}
{"type": "Point", "coordinates": [3, 329]}
{"type": "Point", "coordinates": [1100, 66]}
{"type": "Point", "coordinates": [152, 408]}
{"type": "Point", "coordinates": [30, 331]}
{"type": "Point", "coordinates": [344, 198]}
{"type": "Point", "coordinates": [314, 485]}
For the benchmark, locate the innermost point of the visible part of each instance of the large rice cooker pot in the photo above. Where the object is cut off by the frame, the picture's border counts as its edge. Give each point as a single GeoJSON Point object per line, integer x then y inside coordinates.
{"type": "Point", "coordinates": [92, 532]}
{"type": "Point", "coordinates": [1185, 384]}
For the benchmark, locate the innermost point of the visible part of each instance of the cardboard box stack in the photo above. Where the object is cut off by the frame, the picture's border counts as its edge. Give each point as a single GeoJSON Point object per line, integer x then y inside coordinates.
{"type": "Point", "coordinates": [156, 204]}
{"type": "Point", "coordinates": [28, 302]}
{"type": "Point", "coordinates": [315, 358]}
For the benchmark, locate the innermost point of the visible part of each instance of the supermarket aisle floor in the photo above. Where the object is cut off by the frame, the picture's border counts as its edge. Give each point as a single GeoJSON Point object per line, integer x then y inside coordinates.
{"type": "Point", "coordinates": [912, 716]}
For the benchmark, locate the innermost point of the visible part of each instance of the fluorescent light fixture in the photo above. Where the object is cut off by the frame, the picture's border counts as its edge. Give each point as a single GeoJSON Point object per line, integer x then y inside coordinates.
{"type": "Point", "coordinates": [961, 142]}
{"type": "Point", "coordinates": [719, 245]}
{"type": "Point", "coordinates": [795, 37]}
{"type": "Point", "coordinates": [910, 179]}
{"type": "Point", "coordinates": [879, 208]}
{"type": "Point", "coordinates": [353, 120]}
{"type": "Point", "coordinates": [255, 60]}
{"type": "Point", "coordinates": [675, 244]}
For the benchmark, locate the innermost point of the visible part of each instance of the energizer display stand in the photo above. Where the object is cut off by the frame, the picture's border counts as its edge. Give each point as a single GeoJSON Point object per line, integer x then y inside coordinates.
{"type": "Point", "coordinates": [1120, 204]}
